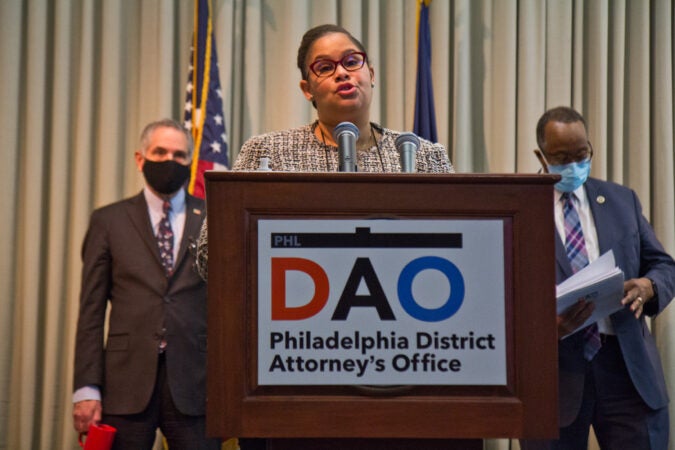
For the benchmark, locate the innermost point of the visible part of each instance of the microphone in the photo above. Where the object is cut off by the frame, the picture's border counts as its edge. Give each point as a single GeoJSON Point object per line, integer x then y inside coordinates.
{"type": "Point", "coordinates": [346, 134]}
{"type": "Point", "coordinates": [407, 145]}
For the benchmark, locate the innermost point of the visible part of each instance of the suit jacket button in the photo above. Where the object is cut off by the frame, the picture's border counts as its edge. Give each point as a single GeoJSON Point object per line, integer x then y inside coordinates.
{"type": "Point", "coordinates": [167, 299]}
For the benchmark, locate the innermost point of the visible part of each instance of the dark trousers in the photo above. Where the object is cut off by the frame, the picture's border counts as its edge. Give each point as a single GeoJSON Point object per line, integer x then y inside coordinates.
{"type": "Point", "coordinates": [182, 432]}
{"type": "Point", "coordinates": [252, 444]}
{"type": "Point", "coordinates": [612, 405]}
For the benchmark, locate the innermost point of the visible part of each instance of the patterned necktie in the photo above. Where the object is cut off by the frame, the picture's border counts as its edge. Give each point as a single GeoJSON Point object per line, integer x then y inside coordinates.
{"type": "Point", "coordinates": [165, 239]}
{"type": "Point", "coordinates": [576, 253]}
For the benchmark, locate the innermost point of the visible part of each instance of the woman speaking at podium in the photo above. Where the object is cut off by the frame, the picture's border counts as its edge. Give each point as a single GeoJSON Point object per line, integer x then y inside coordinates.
{"type": "Point", "coordinates": [338, 79]}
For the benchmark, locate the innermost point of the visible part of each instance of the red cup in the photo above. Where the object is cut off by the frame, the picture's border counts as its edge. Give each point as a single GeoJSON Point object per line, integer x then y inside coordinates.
{"type": "Point", "coordinates": [99, 437]}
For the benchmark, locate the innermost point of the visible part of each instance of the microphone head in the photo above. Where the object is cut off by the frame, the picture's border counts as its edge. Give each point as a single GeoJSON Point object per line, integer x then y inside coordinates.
{"type": "Point", "coordinates": [345, 127]}
{"type": "Point", "coordinates": [407, 138]}
{"type": "Point", "coordinates": [407, 145]}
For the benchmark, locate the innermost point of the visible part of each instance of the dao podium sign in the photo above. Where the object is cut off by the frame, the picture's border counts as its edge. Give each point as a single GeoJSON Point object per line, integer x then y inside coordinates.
{"type": "Point", "coordinates": [381, 302]}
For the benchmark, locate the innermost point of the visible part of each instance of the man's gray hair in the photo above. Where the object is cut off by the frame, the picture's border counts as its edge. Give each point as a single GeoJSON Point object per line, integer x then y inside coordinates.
{"type": "Point", "coordinates": [165, 123]}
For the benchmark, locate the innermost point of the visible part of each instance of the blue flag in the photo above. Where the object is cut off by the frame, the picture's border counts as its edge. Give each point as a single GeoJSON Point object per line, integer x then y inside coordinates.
{"type": "Point", "coordinates": [424, 124]}
{"type": "Point", "coordinates": [204, 116]}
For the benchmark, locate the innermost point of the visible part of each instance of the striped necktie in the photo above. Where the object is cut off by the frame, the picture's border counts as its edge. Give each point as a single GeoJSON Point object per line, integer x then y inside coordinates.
{"type": "Point", "coordinates": [578, 257]}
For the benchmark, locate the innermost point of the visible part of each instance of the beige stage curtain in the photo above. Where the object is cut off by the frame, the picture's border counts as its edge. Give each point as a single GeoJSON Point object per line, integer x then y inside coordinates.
{"type": "Point", "coordinates": [80, 78]}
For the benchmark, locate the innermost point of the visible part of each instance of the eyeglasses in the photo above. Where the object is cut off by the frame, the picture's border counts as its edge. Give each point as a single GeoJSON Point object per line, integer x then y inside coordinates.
{"type": "Point", "coordinates": [326, 67]}
{"type": "Point", "coordinates": [582, 155]}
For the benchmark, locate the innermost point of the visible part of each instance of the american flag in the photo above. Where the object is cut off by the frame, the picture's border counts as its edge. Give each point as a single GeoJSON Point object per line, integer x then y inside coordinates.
{"type": "Point", "coordinates": [204, 116]}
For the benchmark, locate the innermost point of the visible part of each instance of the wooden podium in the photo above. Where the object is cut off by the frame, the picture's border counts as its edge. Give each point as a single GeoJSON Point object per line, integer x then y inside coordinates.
{"type": "Point", "coordinates": [425, 417]}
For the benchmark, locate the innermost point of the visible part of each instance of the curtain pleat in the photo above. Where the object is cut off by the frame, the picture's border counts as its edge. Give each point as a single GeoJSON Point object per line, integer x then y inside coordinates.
{"type": "Point", "coordinates": [11, 32]}
{"type": "Point", "coordinates": [80, 79]}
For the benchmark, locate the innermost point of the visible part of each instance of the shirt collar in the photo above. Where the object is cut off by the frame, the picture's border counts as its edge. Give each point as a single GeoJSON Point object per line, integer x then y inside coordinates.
{"type": "Point", "coordinates": [580, 194]}
{"type": "Point", "coordinates": [155, 202]}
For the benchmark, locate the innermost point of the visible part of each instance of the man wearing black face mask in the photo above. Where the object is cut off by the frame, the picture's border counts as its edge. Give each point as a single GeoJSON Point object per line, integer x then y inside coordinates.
{"type": "Point", "coordinates": [149, 371]}
{"type": "Point", "coordinates": [610, 374]}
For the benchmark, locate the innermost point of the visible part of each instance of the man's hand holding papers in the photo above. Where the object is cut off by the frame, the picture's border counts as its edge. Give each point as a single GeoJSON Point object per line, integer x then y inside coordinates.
{"type": "Point", "coordinates": [599, 286]}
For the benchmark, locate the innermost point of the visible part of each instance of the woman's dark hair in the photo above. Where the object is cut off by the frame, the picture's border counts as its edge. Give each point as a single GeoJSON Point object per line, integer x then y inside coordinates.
{"type": "Point", "coordinates": [315, 33]}
{"type": "Point", "coordinates": [563, 114]}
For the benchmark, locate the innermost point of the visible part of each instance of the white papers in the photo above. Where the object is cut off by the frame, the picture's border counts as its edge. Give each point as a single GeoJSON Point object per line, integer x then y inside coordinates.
{"type": "Point", "coordinates": [600, 282]}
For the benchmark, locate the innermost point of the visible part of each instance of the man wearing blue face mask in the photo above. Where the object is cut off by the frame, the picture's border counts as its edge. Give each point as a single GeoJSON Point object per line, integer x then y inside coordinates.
{"type": "Point", "coordinates": [146, 367]}
{"type": "Point", "coordinates": [610, 374]}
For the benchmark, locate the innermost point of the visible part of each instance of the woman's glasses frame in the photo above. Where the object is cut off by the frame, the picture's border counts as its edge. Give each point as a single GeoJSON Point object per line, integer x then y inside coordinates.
{"type": "Point", "coordinates": [348, 62]}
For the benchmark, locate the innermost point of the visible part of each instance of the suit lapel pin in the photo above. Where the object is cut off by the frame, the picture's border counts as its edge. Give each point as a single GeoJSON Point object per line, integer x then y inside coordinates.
{"type": "Point", "coordinates": [600, 199]}
{"type": "Point", "coordinates": [199, 211]}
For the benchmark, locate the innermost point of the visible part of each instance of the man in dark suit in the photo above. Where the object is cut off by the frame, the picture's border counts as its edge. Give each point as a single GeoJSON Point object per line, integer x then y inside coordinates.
{"type": "Point", "coordinates": [610, 373]}
{"type": "Point", "coordinates": [149, 372]}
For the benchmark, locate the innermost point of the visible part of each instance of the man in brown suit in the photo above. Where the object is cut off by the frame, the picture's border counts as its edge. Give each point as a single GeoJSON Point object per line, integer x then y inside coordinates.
{"type": "Point", "coordinates": [149, 372]}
